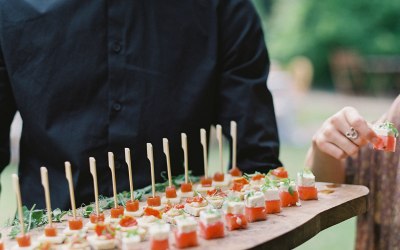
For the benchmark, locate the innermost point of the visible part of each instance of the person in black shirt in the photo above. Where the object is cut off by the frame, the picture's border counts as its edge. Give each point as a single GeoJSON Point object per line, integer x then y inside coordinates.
{"type": "Point", "coordinates": [94, 76]}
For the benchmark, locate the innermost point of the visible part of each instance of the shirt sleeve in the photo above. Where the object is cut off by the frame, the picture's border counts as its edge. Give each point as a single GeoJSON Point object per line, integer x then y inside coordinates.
{"type": "Point", "coordinates": [243, 93]}
{"type": "Point", "coordinates": [7, 112]}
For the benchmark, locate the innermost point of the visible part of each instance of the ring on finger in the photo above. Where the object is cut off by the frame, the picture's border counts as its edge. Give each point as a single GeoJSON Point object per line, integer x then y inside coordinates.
{"type": "Point", "coordinates": [352, 134]}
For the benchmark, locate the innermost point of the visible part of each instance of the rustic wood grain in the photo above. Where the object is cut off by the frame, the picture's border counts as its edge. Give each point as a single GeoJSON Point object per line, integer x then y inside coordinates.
{"type": "Point", "coordinates": [294, 225]}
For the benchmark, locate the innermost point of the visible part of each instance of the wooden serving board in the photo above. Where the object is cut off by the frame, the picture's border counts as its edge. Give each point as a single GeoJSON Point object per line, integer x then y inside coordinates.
{"type": "Point", "coordinates": [290, 228]}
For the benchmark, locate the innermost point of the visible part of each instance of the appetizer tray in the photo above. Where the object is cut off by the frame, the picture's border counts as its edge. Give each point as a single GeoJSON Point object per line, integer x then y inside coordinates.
{"type": "Point", "coordinates": [287, 229]}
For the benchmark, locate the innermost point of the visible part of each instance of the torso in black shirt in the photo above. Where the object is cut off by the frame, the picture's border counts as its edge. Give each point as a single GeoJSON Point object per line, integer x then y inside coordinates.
{"type": "Point", "coordinates": [94, 76]}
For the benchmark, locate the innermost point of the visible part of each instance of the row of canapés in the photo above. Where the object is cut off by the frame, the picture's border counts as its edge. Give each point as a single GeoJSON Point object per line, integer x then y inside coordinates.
{"type": "Point", "coordinates": [243, 199]}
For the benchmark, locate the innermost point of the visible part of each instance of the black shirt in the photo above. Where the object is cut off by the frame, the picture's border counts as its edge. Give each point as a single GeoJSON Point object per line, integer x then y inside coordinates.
{"type": "Point", "coordinates": [94, 76]}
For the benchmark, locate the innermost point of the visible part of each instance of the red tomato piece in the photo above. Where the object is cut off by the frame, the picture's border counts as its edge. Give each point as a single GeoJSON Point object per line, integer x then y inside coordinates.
{"type": "Point", "coordinates": [235, 172]}
{"type": "Point", "coordinates": [273, 207]}
{"type": "Point", "coordinates": [183, 240]}
{"type": "Point", "coordinates": [219, 177]}
{"type": "Point", "coordinates": [75, 224]}
{"type": "Point", "coordinates": [386, 143]}
{"type": "Point", "coordinates": [186, 187]}
{"type": "Point", "coordinates": [241, 180]}
{"type": "Point", "coordinates": [198, 199]}
{"type": "Point", "coordinates": [117, 212]}
{"type": "Point", "coordinates": [206, 182]}
{"type": "Point", "coordinates": [132, 206]}
{"type": "Point", "coordinates": [280, 172]}
{"type": "Point", "coordinates": [255, 213]}
{"type": "Point", "coordinates": [308, 193]}
{"type": "Point", "coordinates": [1, 245]}
{"type": "Point", "coordinates": [50, 231]}
{"type": "Point", "coordinates": [154, 201]}
{"type": "Point", "coordinates": [159, 244]}
{"type": "Point", "coordinates": [127, 221]}
{"type": "Point", "coordinates": [94, 218]}
{"type": "Point", "coordinates": [235, 221]}
{"type": "Point", "coordinates": [237, 186]}
{"type": "Point", "coordinates": [170, 192]}
{"type": "Point", "coordinates": [106, 230]}
{"type": "Point", "coordinates": [23, 240]}
{"type": "Point", "coordinates": [212, 231]}
{"type": "Point", "coordinates": [257, 177]}
{"type": "Point", "coordinates": [288, 200]}
{"type": "Point", "coordinates": [151, 211]}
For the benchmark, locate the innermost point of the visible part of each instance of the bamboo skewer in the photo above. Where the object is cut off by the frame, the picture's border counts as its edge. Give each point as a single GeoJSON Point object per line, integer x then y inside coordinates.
{"type": "Point", "coordinates": [167, 156]}
{"type": "Point", "coordinates": [219, 139]}
{"type": "Point", "coordinates": [45, 183]}
{"type": "Point", "coordinates": [185, 156]}
{"type": "Point", "coordinates": [150, 156]}
{"type": "Point", "coordinates": [68, 174]}
{"type": "Point", "coordinates": [129, 163]}
{"type": "Point", "coordinates": [114, 183]}
{"type": "Point", "coordinates": [93, 171]}
{"type": "Point", "coordinates": [203, 139]}
{"type": "Point", "coordinates": [17, 190]}
{"type": "Point", "coordinates": [234, 143]}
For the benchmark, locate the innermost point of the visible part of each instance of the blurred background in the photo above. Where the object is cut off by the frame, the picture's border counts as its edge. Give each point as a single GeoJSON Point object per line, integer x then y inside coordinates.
{"type": "Point", "coordinates": [325, 55]}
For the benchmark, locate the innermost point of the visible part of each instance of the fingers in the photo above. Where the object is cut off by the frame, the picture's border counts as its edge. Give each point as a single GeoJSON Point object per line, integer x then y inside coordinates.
{"type": "Point", "coordinates": [331, 138]}
{"type": "Point", "coordinates": [364, 130]}
{"type": "Point", "coordinates": [334, 143]}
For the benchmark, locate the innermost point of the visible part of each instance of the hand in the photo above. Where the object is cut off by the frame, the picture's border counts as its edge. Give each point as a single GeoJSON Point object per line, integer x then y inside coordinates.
{"type": "Point", "coordinates": [331, 137]}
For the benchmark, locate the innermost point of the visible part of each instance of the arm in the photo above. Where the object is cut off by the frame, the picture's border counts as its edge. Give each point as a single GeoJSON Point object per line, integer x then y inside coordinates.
{"type": "Point", "coordinates": [7, 112]}
{"type": "Point", "coordinates": [243, 93]}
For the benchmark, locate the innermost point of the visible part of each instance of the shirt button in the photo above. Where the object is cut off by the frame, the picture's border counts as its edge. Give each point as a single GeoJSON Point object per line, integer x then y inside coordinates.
{"type": "Point", "coordinates": [116, 47]}
{"type": "Point", "coordinates": [117, 106]}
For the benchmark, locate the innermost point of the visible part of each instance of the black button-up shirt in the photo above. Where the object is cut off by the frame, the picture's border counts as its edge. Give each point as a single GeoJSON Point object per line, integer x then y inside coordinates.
{"type": "Point", "coordinates": [95, 76]}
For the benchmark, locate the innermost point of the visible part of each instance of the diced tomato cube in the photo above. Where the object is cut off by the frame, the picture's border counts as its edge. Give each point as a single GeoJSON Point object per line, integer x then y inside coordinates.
{"type": "Point", "coordinates": [159, 244]}
{"type": "Point", "coordinates": [241, 180]}
{"type": "Point", "coordinates": [94, 218]}
{"type": "Point", "coordinates": [132, 206]}
{"type": "Point", "coordinates": [235, 221]}
{"type": "Point", "coordinates": [170, 192]}
{"type": "Point", "coordinates": [75, 224]}
{"type": "Point", "coordinates": [50, 231]}
{"type": "Point", "coordinates": [183, 240]}
{"type": "Point", "coordinates": [154, 201]}
{"type": "Point", "coordinates": [273, 207]}
{"type": "Point", "coordinates": [255, 213]}
{"type": "Point", "coordinates": [117, 212]}
{"type": "Point", "coordinates": [308, 193]}
{"type": "Point", "coordinates": [235, 172]}
{"type": "Point", "coordinates": [23, 240]}
{"type": "Point", "coordinates": [288, 200]}
{"type": "Point", "coordinates": [212, 231]}
{"type": "Point", "coordinates": [219, 177]}
{"type": "Point", "coordinates": [386, 143]}
{"type": "Point", "coordinates": [206, 182]}
{"type": "Point", "coordinates": [186, 187]}
{"type": "Point", "coordinates": [280, 172]}
{"type": "Point", "coordinates": [257, 177]}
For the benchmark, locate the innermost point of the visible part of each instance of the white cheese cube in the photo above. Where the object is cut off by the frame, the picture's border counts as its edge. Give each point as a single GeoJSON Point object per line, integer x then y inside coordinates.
{"type": "Point", "coordinates": [186, 224]}
{"type": "Point", "coordinates": [210, 216]}
{"type": "Point", "coordinates": [255, 200]}
{"type": "Point", "coordinates": [305, 179]}
{"type": "Point", "coordinates": [159, 231]}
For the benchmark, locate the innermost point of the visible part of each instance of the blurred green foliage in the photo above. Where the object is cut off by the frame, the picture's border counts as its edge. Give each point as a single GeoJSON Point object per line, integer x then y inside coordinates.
{"type": "Point", "coordinates": [315, 29]}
